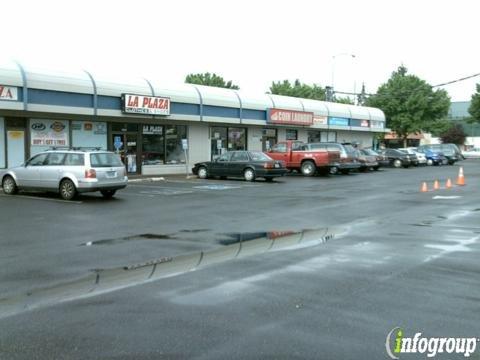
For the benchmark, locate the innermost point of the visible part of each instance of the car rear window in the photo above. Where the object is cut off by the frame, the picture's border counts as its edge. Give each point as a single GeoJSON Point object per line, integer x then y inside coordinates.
{"type": "Point", "coordinates": [75, 160]}
{"type": "Point", "coordinates": [105, 160]}
{"type": "Point", "coordinates": [259, 156]}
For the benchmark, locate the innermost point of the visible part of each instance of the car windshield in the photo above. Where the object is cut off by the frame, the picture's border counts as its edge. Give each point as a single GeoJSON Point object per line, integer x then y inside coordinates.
{"type": "Point", "coordinates": [259, 156]}
{"type": "Point", "coordinates": [105, 160]}
{"type": "Point", "coordinates": [370, 152]}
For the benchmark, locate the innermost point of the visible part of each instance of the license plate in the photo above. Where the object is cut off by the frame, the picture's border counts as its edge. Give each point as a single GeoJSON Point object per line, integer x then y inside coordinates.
{"type": "Point", "coordinates": [111, 174]}
{"type": "Point", "coordinates": [277, 166]}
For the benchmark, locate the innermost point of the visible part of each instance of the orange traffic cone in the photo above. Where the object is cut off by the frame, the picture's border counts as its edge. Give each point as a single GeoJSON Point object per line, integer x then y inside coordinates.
{"type": "Point", "coordinates": [436, 185]}
{"type": "Point", "coordinates": [460, 178]}
{"type": "Point", "coordinates": [448, 185]}
{"type": "Point", "coordinates": [424, 187]}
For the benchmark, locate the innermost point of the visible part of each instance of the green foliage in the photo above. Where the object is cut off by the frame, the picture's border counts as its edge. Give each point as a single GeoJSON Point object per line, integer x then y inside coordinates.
{"type": "Point", "coordinates": [208, 79]}
{"type": "Point", "coordinates": [474, 108]}
{"type": "Point", "coordinates": [343, 100]}
{"type": "Point", "coordinates": [453, 135]}
{"type": "Point", "coordinates": [298, 90]}
{"type": "Point", "coordinates": [410, 104]}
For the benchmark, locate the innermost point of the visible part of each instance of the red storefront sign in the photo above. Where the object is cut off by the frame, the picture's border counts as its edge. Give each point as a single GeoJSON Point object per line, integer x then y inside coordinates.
{"type": "Point", "coordinates": [149, 105]}
{"type": "Point", "coordinates": [290, 117]}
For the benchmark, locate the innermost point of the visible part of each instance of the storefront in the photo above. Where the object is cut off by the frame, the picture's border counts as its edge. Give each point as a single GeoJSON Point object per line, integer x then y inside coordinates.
{"type": "Point", "coordinates": [157, 130]}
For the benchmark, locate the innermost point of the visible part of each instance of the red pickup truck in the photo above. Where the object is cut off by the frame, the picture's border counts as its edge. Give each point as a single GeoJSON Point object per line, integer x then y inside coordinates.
{"type": "Point", "coordinates": [308, 162]}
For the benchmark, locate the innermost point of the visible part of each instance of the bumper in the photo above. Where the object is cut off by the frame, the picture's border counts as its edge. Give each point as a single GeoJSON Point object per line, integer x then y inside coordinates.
{"type": "Point", "coordinates": [270, 172]}
{"type": "Point", "coordinates": [94, 185]}
{"type": "Point", "coordinates": [349, 166]}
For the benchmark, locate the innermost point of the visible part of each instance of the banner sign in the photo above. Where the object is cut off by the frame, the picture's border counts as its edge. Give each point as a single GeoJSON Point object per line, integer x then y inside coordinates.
{"type": "Point", "coordinates": [148, 105]}
{"type": "Point", "coordinates": [289, 117]}
{"type": "Point", "coordinates": [359, 123]}
{"type": "Point", "coordinates": [320, 120]}
{"type": "Point", "coordinates": [338, 121]}
{"type": "Point", "coordinates": [49, 132]}
{"type": "Point", "coordinates": [8, 93]}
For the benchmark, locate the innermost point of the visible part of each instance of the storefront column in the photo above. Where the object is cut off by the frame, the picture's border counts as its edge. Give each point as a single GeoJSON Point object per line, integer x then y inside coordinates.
{"type": "Point", "coordinates": [2, 143]}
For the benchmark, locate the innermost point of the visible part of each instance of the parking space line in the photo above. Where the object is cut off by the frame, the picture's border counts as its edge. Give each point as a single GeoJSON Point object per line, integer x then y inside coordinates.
{"type": "Point", "coordinates": [40, 198]}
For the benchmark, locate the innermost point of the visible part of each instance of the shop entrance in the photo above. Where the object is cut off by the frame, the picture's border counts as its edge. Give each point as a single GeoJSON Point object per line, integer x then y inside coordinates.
{"type": "Point", "coordinates": [125, 144]}
{"type": "Point", "coordinates": [269, 139]}
{"type": "Point", "coordinates": [15, 129]}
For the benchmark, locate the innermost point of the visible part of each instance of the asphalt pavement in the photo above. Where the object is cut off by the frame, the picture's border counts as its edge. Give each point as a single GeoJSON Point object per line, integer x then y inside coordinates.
{"type": "Point", "coordinates": [306, 268]}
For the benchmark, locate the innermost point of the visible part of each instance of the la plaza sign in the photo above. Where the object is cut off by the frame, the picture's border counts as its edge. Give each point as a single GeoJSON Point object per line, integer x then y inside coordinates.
{"type": "Point", "coordinates": [8, 93]}
{"type": "Point", "coordinates": [149, 105]}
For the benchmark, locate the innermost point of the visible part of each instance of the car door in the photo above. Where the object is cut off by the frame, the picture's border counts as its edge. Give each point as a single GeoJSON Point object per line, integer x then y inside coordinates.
{"type": "Point", "coordinates": [28, 176]}
{"type": "Point", "coordinates": [218, 167]}
{"type": "Point", "coordinates": [52, 170]}
{"type": "Point", "coordinates": [238, 162]}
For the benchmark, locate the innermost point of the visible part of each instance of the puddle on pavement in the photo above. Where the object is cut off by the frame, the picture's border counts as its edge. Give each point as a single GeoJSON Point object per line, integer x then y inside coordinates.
{"type": "Point", "coordinates": [120, 240]}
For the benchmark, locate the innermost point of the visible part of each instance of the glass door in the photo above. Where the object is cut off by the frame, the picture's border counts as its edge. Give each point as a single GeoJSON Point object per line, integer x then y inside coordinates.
{"type": "Point", "coordinates": [125, 144]}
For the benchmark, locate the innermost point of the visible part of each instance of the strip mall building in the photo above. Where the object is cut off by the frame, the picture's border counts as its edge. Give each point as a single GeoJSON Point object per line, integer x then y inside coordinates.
{"type": "Point", "coordinates": [150, 124]}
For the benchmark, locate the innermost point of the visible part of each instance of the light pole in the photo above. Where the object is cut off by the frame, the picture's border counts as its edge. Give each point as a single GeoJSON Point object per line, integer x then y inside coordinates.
{"type": "Point", "coordinates": [353, 56]}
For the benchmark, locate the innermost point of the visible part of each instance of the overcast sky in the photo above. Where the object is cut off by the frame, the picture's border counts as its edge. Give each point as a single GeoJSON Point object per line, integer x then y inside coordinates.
{"type": "Point", "coordinates": [250, 42]}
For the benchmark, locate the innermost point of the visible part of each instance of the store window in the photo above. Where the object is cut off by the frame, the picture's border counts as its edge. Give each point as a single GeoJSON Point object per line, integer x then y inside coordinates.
{"type": "Point", "coordinates": [153, 145]}
{"type": "Point", "coordinates": [224, 139]}
{"type": "Point", "coordinates": [174, 135]}
{"type": "Point", "coordinates": [237, 139]}
{"type": "Point", "coordinates": [291, 134]}
{"type": "Point", "coordinates": [328, 136]}
{"type": "Point", "coordinates": [313, 136]}
{"type": "Point", "coordinates": [89, 134]}
{"type": "Point", "coordinates": [163, 144]}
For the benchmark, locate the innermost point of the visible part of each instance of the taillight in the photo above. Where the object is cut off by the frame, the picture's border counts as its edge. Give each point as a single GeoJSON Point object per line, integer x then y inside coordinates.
{"type": "Point", "coordinates": [124, 172]}
{"type": "Point", "coordinates": [268, 165]}
{"type": "Point", "coordinates": [90, 174]}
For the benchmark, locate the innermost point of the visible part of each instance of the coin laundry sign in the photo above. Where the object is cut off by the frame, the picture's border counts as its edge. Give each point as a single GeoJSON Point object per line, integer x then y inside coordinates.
{"type": "Point", "coordinates": [290, 117]}
{"type": "Point", "coordinates": [8, 93]}
{"type": "Point", "coordinates": [148, 105]}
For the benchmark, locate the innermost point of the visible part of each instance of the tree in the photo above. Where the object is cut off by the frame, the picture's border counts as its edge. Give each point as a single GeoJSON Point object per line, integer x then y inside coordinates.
{"type": "Point", "coordinates": [410, 104]}
{"type": "Point", "coordinates": [298, 90]}
{"type": "Point", "coordinates": [208, 79]}
{"type": "Point", "coordinates": [343, 100]}
{"type": "Point", "coordinates": [474, 108]}
{"type": "Point", "coordinates": [454, 135]}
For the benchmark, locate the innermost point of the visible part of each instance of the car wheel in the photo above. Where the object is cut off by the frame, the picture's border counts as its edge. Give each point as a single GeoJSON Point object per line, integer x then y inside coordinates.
{"type": "Point", "coordinates": [429, 162]}
{"type": "Point", "coordinates": [202, 172]}
{"type": "Point", "coordinates": [333, 170]}
{"type": "Point", "coordinates": [249, 174]}
{"type": "Point", "coordinates": [67, 189]}
{"type": "Point", "coordinates": [268, 178]}
{"type": "Point", "coordinates": [308, 168]}
{"type": "Point", "coordinates": [376, 168]}
{"type": "Point", "coordinates": [108, 194]}
{"type": "Point", "coordinates": [9, 185]}
{"type": "Point", "coordinates": [397, 163]}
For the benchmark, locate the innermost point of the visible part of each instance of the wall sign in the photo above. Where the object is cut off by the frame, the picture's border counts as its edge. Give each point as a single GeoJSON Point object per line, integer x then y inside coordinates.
{"type": "Point", "coordinates": [149, 105]}
{"type": "Point", "coordinates": [320, 120]}
{"type": "Point", "coordinates": [338, 121]}
{"type": "Point", "coordinates": [289, 117]}
{"type": "Point", "coordinates": [49, 132]}
{"type": "Point", "coordinates": [8, 93]}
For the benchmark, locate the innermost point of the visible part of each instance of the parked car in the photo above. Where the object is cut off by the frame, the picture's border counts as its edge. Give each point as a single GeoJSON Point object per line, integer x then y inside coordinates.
{"type": "Point", "coordinates": [247, 164]}
{"type": "Point", "coordinates": [433, 157]}
{"type": "Point", "coordinates": [367, 161]}
{"type": "Point", "coordinates": [450, 151]}
{"type": "Point", "coordinates": [68, 172]}
{"type": "Point", "coordinates": [381, 159]}
{"type": "Point", "coordinates": [299, 156]}
{"type": "Point", "coordinates": [397, 158]}
{"type": "Point", "coordinates": [421, 159]}
{"type": "Point", "coordinates": [471, 154]}
{"type": "Point", "coordinates": [348, 156]}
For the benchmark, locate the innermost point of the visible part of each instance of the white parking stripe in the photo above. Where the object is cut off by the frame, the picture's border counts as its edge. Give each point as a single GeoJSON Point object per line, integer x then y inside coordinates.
{"type": "Point", "coordinates": [40, 198]}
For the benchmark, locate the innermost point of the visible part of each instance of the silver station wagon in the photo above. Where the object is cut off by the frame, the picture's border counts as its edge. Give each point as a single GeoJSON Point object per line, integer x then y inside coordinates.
{"type": "Point", "coordinates": [68, 172]}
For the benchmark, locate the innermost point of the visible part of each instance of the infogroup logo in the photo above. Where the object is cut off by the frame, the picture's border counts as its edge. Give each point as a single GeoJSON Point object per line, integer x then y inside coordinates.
{"type": "Point", "coordinates": [397, 343]}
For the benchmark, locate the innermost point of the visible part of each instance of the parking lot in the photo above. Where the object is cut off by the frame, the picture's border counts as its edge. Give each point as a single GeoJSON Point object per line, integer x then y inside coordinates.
{"type": "Point", "coordinates": [367, 252]}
